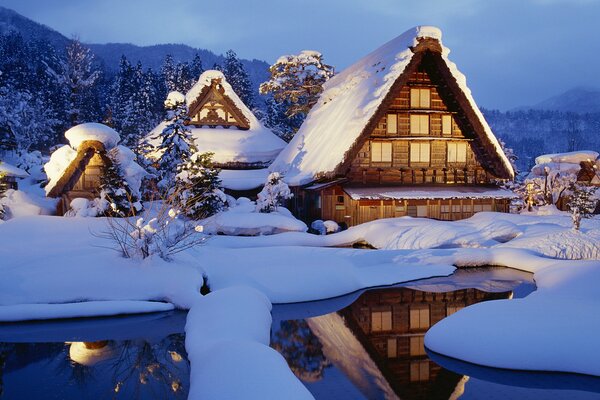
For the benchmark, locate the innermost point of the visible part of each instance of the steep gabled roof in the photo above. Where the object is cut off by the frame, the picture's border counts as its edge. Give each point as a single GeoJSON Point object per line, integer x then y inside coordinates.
{"type": "Point", "coordinates": [353, 102]}
{"type": "Point", "coordinates": [72, 173]}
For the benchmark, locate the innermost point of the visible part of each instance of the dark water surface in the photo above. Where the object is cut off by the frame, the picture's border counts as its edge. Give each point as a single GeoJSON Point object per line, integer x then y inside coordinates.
{"type": "Point", "coordinates": [369, 345]}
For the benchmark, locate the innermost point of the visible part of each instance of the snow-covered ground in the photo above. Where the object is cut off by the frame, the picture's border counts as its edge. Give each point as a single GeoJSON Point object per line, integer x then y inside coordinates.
{"type": "Point", "coordinates": [59, 267]}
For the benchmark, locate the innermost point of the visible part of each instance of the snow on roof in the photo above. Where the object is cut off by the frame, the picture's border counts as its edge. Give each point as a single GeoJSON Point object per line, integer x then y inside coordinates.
{"type": "Point", "coordinates": [428, 192]}
{"type": "Point", "coordinates": [255, 145]}
{"type": "Point", "coordinates": [243, 179]}
{"type": "Point", "coordinates": [573, 157]}
{"type": "Point", "coordinates": [174, 98]}
{"type": "Point", "coordinates": [11, 170]}
{"type": "Point", "coordinates": [348, 102]}
{"type": "Point", "coordinates": [92, 131]}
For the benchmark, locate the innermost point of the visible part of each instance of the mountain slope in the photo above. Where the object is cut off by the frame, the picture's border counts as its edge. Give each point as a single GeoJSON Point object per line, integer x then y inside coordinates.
{"type": "Point", "coordinates": [11, 21]}
{"type": "Point", "coordinates": [579, 100]}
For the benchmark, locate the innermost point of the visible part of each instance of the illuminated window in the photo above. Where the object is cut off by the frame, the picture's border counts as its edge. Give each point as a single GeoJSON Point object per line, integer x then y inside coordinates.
{"type": "Point", "coordinates": [381, 152]}
{"type": "Point", "coordinates": [419, 152]}
{"type": "Point", "coordinates": [419, 317]}
{"type": "Point", "coordinates": [419, 371]}
{"type": "Point", "coordinates": [420, 98]}
{"type": "Point", "coordinates": [392, 123]}
{"type": "Point", "coordinates": [392, 348]}
{"type": "Point", "coordinates": [421, 211]}
{"type": "Point", "coordinates": [419, 124]}
{"type": "Point", "coordinates": [457, 152]}
{"type": "Point", "coordinates": [446, 124]}
{"type": "Point", "coordinates": [381, 321]}
{"type": "Point", "coordinates": [417, 346]}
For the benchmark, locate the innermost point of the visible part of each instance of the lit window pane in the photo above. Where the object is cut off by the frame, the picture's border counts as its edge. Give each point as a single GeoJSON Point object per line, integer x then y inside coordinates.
{"type": "Point", "coordinates": [392, 123]}
{"type": "Point", "coordinates": [386, 152]}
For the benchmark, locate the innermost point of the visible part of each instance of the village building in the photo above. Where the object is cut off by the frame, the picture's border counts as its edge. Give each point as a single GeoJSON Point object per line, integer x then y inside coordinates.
{"type": "Point", "coordinates": [8, 176]}
{"type": "Point", "coordinates": [396, 134]}
{"type": "Point", "coordinates": [74, 170]}
{"type": "Point", "coordinates": [222, 124]}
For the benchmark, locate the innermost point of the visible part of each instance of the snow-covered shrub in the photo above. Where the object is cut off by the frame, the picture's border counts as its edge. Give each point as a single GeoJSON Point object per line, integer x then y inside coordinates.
{"type": "Point", "coordinates": [115, 190]}
{"type": "Point", "coordinates": [273, 193]}
{"type": "Point", "coordinates": [324, 227]}
{"type": "Point", "coordinates": [582, 203]}
{"type": "Point", "coordinates": [81, 207]}
{"type": "Point", "coordinates": [164, 234]}
{"type": "Point", "coordinates": [198, 187]}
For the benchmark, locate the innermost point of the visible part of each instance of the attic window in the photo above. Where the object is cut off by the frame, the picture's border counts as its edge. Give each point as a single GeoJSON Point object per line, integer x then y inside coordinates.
{"type": "Point", "coordinates": [381, 152]}
{"type": "Point", "coordinates": [419, 152]}
{"type": "Point", "coordinates": [392, 123]}
{"type": "Point", "coordinates": [446, 124]}
{"type": "Point", "coordinates": [420, 98]}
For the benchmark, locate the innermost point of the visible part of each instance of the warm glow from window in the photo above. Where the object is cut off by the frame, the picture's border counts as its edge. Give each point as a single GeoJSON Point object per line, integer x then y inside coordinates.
{"type": "Point", "coordinates": [381, 321]}
{"type": "Point", "coordinates": [420, 98]}
{"type": "Point", "coordinates": [419, 317]}
{"type": "Point", "coordinates": [419, 124]}
{"type": "Point", "coordinates": [392, 123]}
{"type": "Point", "coordinates": [381, 151]}
{"type": "Point", "coordinates": [419, 152]}
{"type": "Point", "coordinates": [457, 152]}
{"type": "Point", "coordinates": [419, 371]}
{"type": "Point", "coordinates": [417, 346]}
{"type": "Point", "coordinates": [446, 124]}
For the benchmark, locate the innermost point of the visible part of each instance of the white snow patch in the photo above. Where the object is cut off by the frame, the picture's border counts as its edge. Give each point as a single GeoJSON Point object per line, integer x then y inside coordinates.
{"type": "Point", "coordinates": [243, 179]}
{"type": "Point", "coordinates": [92, 131]}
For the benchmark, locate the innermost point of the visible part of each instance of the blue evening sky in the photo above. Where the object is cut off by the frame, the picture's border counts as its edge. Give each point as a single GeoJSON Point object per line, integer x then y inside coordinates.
{"type": "Point", "coordinates": [514, 52]}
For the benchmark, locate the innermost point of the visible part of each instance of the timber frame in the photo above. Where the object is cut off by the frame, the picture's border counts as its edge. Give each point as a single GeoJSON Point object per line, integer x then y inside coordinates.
{"type": "Point", "coordinates": [215, 94]}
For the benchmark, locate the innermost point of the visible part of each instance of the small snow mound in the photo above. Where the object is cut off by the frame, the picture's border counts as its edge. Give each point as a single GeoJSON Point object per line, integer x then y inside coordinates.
{"type": "Point", "coordinates": [11, 170]}
{"type": "Point", "coordinates": [174, 98]}
{"type": "Point", "coordinates": [92, 131]}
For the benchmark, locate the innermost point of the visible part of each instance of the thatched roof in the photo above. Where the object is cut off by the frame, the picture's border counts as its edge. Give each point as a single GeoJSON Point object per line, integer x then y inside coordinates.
{"type": "Point", "coordinates": [72, 173]}
{"type": "Point", "coordinates": [354, 101]}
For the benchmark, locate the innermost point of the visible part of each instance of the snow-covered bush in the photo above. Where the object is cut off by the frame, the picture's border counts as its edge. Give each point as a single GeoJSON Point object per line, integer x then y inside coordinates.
{"type": "Point", "coordinates": [273, 193]}
{"type": "Point", "coordinates": [198, 187]}
{"type": "Point", "coordinates": [164, 234]}
{"type": "Point", "coordinates": [114, 188]}
{"type": "Point", "coordinates": [81, 207]}
{"type": "Point", "coordinates": [324, 227]}
{"type": "Point", "coordinates": [582, 203]}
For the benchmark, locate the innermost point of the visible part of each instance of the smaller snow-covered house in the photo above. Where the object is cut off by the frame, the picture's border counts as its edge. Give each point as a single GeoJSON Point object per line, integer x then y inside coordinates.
{"type": "Point", "coordinates": [222, 124]}
{"type": "Point", "coordinates": [397, 133]}
{"type": "Point", "coordinates": [8, 176]}
{"type": "Point", "coordinates": [74, 170]}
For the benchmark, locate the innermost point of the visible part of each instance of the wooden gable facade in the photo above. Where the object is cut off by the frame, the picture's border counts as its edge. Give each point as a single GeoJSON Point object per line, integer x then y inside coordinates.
{"type": "Point", "coordinates": [82, 177]}
{"type": "Point", "coordinates": [425, 135]}
{"type": "Point", "coordinates": [214, 108]}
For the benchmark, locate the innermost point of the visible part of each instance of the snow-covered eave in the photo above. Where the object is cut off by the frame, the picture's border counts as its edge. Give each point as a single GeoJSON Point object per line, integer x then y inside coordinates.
{"type": "Point", "coordinates": [7, 169]}
{"type": "Point", "coordinates": [442, 192]}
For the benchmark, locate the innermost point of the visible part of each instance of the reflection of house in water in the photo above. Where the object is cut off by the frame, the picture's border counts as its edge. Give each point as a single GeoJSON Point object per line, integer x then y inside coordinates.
{"type": "Point", "coordinates": [378, 342]}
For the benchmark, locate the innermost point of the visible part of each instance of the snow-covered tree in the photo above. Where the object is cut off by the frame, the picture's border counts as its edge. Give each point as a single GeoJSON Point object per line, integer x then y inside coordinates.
{"type": "Point", "coordinates": [275, 119]}
{"type": "Point", "coordinates": [198, 187]}
{"type": "Point", "coordinates": [273, 193]}
{"type": "Point", "coordinates": [237, 77]}
{"type": "Point", "coordinates": [115, 189]}
{"type": "Point", "coordinates": [582, 202]}
{"type": "Point", "coordinates": [176, 144]}
{"type": "Point", "coordinates": [297, 81]}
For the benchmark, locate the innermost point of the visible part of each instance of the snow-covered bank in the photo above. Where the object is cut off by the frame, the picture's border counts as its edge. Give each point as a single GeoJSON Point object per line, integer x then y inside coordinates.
{"type": "Point", "coordinates": [227, 341]}
{"type": "Point", "coordinates": [553, 329]}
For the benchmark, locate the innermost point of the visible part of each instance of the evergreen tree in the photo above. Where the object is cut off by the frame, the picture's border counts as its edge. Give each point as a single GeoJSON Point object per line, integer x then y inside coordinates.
{"type": "Point", "coordinates": [198, 186]}
{"type": "Point", "coordinates": [236, 75]}
{"type": "Point", "coordinates": [582, 203]}
{"type": "Point", "coordinates": [273, 193]}
{"type": "Point", "coordinates": [275, 118]}
{"type": "Point", "coordinates": [115, 190]}
{"type": "Point", "coordinates": [196, 68]}
{"type": "Point", "coordinates": [169, 74]}
{"type": "Point", "coordinates": [297, 82]}
{"type": "Point", "coordinates": [176, 144]}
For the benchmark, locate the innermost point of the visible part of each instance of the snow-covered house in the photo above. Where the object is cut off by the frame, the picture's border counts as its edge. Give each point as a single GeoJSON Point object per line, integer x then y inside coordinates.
{"type": "Point", "coordinates": [397, 133]}
{"type": "Point", "coordinates": [8, 176]}
{"type": "Point", "coordinates": [222, 124]}
{"type": "Point", "coordinates": [74, 170]}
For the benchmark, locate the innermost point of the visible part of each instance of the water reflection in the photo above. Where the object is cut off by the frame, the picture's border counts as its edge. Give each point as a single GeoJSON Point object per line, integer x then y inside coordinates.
{"type": "Point", "coordinates": [138, 365]}
{"type": "Point", "coordinates": [373, 346]}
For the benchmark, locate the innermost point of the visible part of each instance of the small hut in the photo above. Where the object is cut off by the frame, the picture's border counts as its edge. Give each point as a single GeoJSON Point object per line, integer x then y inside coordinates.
{"type": "Point", "coordinates": [75, 170]}
{"type": "Point", "coordinates": [8, 176]}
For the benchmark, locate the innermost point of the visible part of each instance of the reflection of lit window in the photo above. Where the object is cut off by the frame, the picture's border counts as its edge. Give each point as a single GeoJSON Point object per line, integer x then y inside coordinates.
{"type": "Point", "coordinates": [419, 317]}
{"type": "Point", "coordinates": [417, 346]}
{"type": "Point", "coordinates": [381, 321]}
{"type": "Point", "coordinates": [419, 371]}
{"type": "Point", "coordinates": [392, 348]}
{"type": "Point", "coordinates": [452, 309]}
